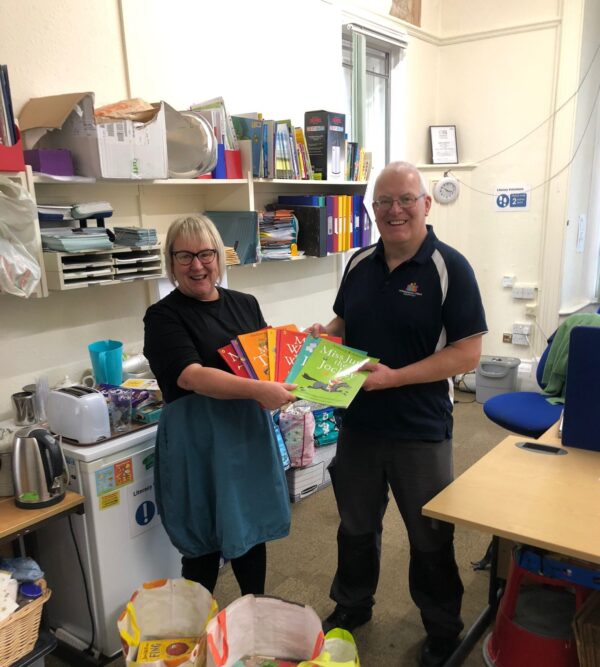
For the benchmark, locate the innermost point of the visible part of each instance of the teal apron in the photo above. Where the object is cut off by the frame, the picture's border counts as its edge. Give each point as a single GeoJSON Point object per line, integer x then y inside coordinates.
{"type": "Point", "coordinates": [220, 483]}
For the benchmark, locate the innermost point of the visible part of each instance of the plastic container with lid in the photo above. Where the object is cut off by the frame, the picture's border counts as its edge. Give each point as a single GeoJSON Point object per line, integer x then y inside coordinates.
{"type": "Point", "coordinates": [28, 592]}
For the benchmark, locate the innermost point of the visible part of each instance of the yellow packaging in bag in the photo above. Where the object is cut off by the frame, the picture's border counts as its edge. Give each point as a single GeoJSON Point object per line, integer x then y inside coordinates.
{"type": "Point", "coordinates": [162, 649]}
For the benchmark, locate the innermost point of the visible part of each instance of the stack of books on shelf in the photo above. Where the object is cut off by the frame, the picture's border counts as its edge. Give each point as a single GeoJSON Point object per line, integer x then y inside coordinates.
{"type": "Point", "coordinates": [229, 161]}
{"type": "Point", "coordinates": [325, 371]}
{"type": "Point", "coordinates": [278, 231]}
{"type": "Point", "coordinates": [328, 223]}
{"type": "Point", "coordinates": [280, 150]}
{"type": "Point", "coordinates": [358, 162]}
{"type": "Point", "coordinates": [136, 237]}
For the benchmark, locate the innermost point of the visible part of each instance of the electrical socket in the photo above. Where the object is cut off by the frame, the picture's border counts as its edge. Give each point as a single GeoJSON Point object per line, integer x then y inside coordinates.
{"type": "Point", "coordinates": [523, 291]}
{"type": "Point", "coordinates": [520, 339]}
{"type": "Point", "coordinates": [521, 328]}
{"type": "Point", "coordinates": [507, 338]}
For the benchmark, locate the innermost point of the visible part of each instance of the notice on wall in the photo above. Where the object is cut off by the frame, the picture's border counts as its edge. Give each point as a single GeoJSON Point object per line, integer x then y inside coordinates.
{"type": "Point", "coordinates": [512, 198]}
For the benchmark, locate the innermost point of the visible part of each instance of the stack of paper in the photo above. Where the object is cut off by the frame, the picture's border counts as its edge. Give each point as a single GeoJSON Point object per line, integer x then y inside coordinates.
{"type": "Point", "coordinates": [278, 235]}
{"type": "Point", "coordinates": [135, 236]}
{"type": "Point", "coordinates": [76, 240]}
{"type": "Point", "coordinates": [54, 212]}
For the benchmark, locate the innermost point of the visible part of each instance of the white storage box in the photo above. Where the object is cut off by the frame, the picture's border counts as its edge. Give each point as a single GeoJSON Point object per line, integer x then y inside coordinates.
{"type": "Point", "coordinates": [116, 149]}
{"type": "Point", "coordinates": [495, 375]}
{"type": "Point", "coordinates": [303, 482]}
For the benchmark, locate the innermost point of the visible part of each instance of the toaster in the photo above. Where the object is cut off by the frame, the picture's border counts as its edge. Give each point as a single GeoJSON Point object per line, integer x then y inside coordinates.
{"type": "Point", "coordinates": [78, 413]}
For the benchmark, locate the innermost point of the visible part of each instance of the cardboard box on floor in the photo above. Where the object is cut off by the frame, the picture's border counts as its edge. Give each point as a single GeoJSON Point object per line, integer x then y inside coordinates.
{"type": "Point", "coordinates": [132, 149]}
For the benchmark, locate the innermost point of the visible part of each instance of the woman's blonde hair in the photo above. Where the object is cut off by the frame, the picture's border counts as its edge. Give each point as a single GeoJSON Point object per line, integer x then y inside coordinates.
{"type": "Point", "coordinates": [196, 228]}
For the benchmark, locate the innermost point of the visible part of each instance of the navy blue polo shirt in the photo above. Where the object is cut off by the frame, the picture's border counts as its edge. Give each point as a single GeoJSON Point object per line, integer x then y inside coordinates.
{"type": "Point", "coordinates": [402, 317]}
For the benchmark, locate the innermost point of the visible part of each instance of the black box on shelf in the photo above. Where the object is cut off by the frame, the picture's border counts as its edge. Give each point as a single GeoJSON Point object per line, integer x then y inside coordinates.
{"type": "Point", "coordinates": [325, 139]}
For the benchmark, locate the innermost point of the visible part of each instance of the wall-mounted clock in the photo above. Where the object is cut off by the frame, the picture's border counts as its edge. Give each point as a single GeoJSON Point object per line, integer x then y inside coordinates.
{"type": "Point", "coordinates": [446, 190]}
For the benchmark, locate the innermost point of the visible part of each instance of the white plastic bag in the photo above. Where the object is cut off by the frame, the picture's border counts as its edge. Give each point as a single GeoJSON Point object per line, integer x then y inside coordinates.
{"type": "Point", "coordinates": [263, 625]}
{"type": "Point", "coordinates": [19, 271]}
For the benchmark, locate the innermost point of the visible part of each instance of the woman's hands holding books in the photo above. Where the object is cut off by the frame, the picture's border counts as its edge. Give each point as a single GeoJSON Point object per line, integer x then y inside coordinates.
{"type": "Point", "coordinates": [272, 395]}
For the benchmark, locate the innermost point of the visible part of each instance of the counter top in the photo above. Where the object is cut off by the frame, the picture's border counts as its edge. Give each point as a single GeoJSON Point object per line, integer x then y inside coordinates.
{"type": "Point", "coordinates": [15, 521]}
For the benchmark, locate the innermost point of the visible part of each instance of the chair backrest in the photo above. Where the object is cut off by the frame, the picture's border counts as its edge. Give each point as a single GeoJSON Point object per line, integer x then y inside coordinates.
{"type": "Point", "coordinates": [539, 373]}
{"type": "Point", "coordinates": [582, 395]}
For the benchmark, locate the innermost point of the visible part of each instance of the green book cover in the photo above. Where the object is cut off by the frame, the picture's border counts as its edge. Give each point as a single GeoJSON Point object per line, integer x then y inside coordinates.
{"type": "Point", "coordinates": [308, 347]}
{"type": "Point", "coordinates": [331, 375]}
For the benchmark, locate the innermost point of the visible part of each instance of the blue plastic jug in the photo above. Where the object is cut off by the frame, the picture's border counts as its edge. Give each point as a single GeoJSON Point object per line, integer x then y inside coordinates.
{"type": "Point", "coordinates": [107, 361]}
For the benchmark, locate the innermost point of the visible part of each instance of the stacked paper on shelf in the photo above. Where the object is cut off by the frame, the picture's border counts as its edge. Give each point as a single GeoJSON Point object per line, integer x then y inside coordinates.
{"type": "Point", "coordinates": [135, 236]}
{"type": "Point", "coordinates": [75, 240]}
{"type": "Point", "coordinates": [278, 235]}
{"type": "Point", "coordinates": [54, 212]}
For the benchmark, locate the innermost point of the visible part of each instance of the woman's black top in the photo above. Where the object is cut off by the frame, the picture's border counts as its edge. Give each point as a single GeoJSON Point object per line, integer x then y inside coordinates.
{"type": "Point", "coordinates": [180, 330]}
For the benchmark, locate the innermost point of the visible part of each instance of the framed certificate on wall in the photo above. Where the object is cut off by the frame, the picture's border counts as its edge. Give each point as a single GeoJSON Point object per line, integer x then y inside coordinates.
{"type": "Point", "coordinates": [443, 144]}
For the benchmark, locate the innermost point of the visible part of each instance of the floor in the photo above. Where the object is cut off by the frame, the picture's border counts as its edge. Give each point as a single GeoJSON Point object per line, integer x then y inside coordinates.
{"type": "Point", "coordinates": [301, 566]}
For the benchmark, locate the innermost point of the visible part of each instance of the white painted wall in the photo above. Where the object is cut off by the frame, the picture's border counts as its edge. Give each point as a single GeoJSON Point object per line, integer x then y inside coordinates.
{"type": "Point", "coordinates": [494, 73]}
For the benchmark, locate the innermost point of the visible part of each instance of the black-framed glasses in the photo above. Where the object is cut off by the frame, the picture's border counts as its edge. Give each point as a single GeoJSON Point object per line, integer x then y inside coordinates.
{"type": "Point", "coordinates": [384, 204]}
{"type": "Point", "coordinates": [185, 258]}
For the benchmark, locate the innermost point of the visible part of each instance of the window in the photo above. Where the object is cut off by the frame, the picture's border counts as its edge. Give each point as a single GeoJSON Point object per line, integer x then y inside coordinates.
{"type": "Point", "coordinates": [369, 55]}
{"type": "Point", "coordinates": [374, 100]}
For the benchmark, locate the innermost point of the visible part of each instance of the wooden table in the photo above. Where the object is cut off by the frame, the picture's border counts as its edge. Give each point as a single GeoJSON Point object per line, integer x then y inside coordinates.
{"type": "Point", "coordinates": [543, 500]}
{"type": "Point", "coordinates": [15, 522]}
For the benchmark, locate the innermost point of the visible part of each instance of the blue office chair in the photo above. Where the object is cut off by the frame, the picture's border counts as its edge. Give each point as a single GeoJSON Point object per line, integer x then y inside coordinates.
{"type": "Point", "coordinates": [527, 413]}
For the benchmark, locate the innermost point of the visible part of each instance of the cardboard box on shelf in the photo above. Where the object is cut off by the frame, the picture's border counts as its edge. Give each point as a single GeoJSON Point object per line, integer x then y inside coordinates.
{"type": "Point", "coordinates": [325, 139]}
{"type": "Point", "coordinates": [132, 149]}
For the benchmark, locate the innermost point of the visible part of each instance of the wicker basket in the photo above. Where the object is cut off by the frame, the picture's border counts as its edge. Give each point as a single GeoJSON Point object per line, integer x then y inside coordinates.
{"type": "Point", "coordinates": [19, 631]}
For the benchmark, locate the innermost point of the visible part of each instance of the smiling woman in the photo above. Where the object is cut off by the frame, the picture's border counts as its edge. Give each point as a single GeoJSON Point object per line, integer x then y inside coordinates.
{"type": "Point", "coordinates": [195, 257]}
{"type": "Point", "coordinates": [220, 484]}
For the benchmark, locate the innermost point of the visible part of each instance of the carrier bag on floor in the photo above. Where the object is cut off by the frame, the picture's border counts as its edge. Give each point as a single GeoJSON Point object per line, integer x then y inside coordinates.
{"type": "Point", "coordinates": [164, 624]}
{"type": "Point", "coordinates": [339, 650]}
{"type": "Point", "coordinates": [261, 625]}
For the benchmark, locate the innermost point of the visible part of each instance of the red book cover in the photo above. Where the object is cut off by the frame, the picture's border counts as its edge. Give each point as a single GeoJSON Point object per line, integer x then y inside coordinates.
{"type": "Point", "coordinates": [233, 360]}
{"type": "Point", "coordinates": [288, 345]}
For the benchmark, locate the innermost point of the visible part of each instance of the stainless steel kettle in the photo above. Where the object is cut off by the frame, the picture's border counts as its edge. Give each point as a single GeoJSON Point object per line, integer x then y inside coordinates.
{"type": "Point", "coordinates": [39, 469]}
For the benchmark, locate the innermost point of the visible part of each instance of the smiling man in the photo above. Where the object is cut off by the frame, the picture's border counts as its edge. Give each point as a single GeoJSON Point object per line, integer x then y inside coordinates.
{"type": "Point", "coordinates": [413, 302]}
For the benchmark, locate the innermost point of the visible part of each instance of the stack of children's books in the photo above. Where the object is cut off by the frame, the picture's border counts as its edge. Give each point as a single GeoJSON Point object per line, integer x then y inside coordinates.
{"type": "Point", "coordinates": [324, 370]}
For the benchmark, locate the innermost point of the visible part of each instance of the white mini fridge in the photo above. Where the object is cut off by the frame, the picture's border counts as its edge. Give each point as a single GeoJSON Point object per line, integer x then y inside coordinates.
{"type": "Point", "coordinates": [121, 541]}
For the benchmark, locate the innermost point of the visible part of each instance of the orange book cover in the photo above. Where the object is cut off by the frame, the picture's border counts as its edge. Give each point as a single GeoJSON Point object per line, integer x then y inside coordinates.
{"type": "Point", "coordinates": [232, 359]}
{"type": "Point", "coordinates": [272, 345]}
{"type": "Point", "coordinates": [336, 224]}
{"type": "Point", "coordinates": [255, 346]}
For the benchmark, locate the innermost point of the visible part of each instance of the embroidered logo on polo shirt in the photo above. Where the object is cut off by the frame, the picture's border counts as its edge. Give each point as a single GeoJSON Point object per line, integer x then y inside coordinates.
{"type": "Point", "coordinates": [412, 289]}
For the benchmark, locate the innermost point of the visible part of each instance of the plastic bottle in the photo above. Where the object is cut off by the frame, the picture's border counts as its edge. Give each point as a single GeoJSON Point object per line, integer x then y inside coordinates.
{"type": "Point", "coordinates": [28, 592]}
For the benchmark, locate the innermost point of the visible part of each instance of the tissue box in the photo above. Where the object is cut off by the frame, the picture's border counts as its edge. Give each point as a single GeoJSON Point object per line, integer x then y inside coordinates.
{"type": "Point", "coordinates": [55, 161]}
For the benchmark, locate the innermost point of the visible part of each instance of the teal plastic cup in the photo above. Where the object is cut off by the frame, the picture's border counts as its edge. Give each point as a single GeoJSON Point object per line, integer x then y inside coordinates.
{"type": "Point", "coordinates": [107, 361]}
